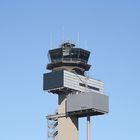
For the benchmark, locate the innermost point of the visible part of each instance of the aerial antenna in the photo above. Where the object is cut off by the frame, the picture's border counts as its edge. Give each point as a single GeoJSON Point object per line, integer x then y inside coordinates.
{"type": "Point", "coordinates": [51, 40]}
{"type": "Point", "coordinates": [85, 45]}
{"type": "Point", "coordinates": [62, 35]}
{"type": "Point", "coordinates": [78, 39]}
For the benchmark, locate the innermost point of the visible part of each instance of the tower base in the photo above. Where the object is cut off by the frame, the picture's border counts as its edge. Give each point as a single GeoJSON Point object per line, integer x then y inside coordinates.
{"type": "Point", "coordinates": [67, 126]}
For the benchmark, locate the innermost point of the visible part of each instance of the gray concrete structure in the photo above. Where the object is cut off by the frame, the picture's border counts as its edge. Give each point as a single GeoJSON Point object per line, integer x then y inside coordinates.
{"type": "Point", "coordinates": [90, 103]}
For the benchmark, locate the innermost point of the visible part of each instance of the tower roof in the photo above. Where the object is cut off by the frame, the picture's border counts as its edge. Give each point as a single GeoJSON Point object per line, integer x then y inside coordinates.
{"type": "Point", "coordinates": [67, 45]}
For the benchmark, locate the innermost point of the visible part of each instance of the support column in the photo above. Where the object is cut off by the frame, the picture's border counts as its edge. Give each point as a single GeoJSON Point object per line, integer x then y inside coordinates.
{"type": "Point", "coordinates": [67, 126]}
{"type": "Point", "coordinates": [88, 127]}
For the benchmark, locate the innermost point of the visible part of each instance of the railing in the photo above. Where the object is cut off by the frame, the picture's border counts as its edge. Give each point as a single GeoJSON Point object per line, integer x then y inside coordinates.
{"type": "Point", "coordinates": [71, 60]}
{"type": "Point", "coordinates": [52, 127]}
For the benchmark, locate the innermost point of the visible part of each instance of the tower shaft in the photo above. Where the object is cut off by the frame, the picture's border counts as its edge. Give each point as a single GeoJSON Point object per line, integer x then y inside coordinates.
{"type": "Point", "coordinates": [67, 126]}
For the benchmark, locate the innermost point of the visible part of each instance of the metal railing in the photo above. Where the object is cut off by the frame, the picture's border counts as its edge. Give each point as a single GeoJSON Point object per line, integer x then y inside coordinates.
{"type": "Point", "coordinates": [52, 128]}
{"type": "Point", "coordinates": [71, 60]}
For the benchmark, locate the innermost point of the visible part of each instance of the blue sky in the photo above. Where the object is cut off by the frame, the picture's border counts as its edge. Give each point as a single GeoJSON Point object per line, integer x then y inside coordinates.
{"type": "Point", "coordinates": [109, 29]}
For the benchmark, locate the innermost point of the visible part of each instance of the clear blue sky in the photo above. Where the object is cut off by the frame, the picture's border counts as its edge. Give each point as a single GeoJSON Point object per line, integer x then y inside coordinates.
{"type": "Point", "coordinates": [29, 28]}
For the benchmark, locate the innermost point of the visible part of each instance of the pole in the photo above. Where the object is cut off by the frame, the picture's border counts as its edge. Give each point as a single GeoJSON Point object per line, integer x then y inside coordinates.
{"type": "Point", "coordinates": [88, 127]}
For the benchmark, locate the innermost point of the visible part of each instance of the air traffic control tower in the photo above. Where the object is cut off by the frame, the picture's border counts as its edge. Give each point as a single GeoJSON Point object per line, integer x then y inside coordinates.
{"type": "Point", "coordinates": [78, 95]}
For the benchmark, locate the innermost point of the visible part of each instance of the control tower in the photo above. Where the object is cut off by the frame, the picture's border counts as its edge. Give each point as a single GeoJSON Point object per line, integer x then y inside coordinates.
{"type": "Point", "coordinates": [78, 95]}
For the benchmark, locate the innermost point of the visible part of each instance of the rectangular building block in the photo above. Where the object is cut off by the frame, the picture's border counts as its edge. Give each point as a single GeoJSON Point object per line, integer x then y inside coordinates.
{"type": "Point", "coordinates": [90, 103]}
{"type": "Point", "coordinates": [57, 80]}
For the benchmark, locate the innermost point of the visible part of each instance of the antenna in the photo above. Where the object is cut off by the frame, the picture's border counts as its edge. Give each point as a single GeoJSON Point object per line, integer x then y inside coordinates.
{"type": "Point", "coordinates": [78, 39]}
{"type": "Point", "coordinates": [85, 45]}
{"type": "Point", "coordinates": [62, 35]}
{"type": "Point", "coordinates": [51, 40]}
